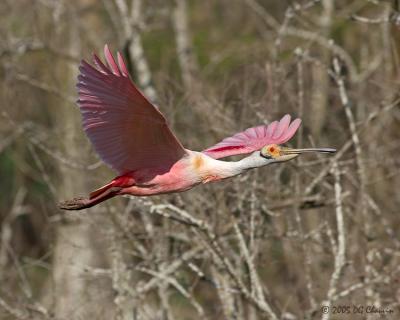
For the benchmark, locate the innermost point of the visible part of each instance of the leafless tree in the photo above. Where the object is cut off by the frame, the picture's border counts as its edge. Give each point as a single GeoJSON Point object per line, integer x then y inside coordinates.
{"type": "Point", "coordinates": [312, 239]}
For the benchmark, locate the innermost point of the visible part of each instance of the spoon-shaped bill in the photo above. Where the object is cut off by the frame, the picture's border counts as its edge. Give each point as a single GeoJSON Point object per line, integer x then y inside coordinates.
{"type": "Point", "coordinates": [307, 150]}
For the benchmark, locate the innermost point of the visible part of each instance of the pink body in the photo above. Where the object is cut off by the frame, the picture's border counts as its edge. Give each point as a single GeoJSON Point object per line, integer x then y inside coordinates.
{"type": "Point", "coordinates": [193, 169]}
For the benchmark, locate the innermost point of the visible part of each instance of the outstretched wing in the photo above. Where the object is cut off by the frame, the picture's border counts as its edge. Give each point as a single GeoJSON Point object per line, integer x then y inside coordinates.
{"type": "Point", "coordinates": [126, 129]}
{"type": "Point", "coordinates": [253, 139]}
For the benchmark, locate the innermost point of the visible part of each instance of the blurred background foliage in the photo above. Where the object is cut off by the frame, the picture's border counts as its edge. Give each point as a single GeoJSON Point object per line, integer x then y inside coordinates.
{"type": "Point", "coordinates": [242, 63]}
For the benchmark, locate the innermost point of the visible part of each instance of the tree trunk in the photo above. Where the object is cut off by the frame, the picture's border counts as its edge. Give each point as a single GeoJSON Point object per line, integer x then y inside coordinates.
{"type": "Point", "coordinates": [75, 291]}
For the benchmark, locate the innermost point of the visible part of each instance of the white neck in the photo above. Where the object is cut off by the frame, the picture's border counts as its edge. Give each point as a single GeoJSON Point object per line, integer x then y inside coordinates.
{"type": "Point", "coordinates": [252, 161]}
{"type": "Point", "coordinates": [228, 169]}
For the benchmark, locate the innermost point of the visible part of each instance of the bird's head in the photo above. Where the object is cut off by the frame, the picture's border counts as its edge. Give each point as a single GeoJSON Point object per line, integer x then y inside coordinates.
{"type": "Point", "coordinates": [276, 153]}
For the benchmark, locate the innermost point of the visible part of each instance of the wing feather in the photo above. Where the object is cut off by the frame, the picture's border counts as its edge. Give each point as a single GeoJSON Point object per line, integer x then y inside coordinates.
{"type": "Point", "coordinates": [253, 139]}
{"type": "Point", "coordinates": [125, 128]}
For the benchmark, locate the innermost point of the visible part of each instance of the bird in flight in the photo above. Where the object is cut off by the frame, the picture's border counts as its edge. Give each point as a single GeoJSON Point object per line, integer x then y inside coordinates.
{"type": "Point", "coordinates": [132, 136]}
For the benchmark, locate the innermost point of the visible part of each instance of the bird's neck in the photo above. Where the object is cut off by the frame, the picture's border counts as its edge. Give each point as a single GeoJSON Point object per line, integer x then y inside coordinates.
{"type": "Point", "coordinates": [227, 169]}
{"type": "Point", "coordinates": [252, 161]}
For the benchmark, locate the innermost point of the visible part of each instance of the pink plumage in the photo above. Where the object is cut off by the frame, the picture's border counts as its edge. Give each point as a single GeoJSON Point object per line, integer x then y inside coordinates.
{"type": "Point", "coordinates": [254, 139]}
{"type": "Point", "coordinates": [132, 136]}
{"type": "Point", "coordinates": [126, 129]}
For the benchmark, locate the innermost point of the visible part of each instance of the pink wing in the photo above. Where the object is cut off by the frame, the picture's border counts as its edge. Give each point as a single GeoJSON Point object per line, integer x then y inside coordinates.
{"type": "Point", "coordinates": [126, 129]}
{"type": "Point", "coordinates": [255, 138]}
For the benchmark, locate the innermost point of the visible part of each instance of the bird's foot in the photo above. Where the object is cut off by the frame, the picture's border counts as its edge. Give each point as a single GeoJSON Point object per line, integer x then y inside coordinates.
{"type": "Point", "coordinates": [74, 204]}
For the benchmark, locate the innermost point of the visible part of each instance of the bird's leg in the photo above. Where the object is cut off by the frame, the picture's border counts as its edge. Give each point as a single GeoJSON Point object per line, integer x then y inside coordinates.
{"type": "Point", "coordinates": [83, 203]}
{"type": "Point", "coordinates": [107, 191]}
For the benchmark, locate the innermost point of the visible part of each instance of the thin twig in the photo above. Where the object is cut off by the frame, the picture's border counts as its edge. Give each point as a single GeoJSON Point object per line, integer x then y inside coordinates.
{"type": "Point", "coordinates": [341, 245]}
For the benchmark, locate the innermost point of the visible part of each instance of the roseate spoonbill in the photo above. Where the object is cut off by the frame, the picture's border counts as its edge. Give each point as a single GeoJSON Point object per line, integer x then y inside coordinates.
{"type": "Point", "coordinates": [132, 136]}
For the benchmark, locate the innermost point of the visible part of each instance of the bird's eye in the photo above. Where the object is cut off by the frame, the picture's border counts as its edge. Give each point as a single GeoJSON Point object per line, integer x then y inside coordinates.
{"type": "Point", "coordinates": [270, 151]}
{"type": "Point", "coordinates": [266, 155]}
